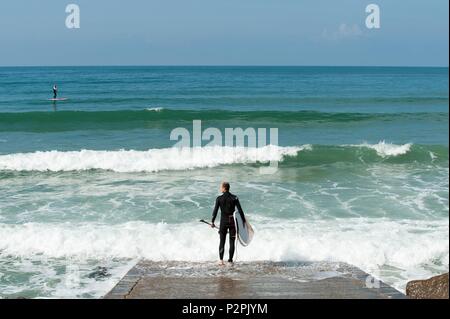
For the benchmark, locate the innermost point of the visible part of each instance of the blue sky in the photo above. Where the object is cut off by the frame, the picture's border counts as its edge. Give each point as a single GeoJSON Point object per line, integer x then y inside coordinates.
{"type": "Point", "coordinates": [225, 32]}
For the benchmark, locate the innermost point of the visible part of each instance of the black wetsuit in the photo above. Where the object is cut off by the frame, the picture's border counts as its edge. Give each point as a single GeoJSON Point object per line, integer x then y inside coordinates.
{"type": "Point", "coordinates": [228, 204]}
{"type": "Point", "coordinates": [55, 92]}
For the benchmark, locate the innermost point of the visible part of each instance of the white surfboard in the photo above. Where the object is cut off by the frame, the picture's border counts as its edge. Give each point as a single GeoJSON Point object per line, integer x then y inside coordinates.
{"type": "Point", "coordinates": [59, 99]}
{"type": "Point", "coordinates": [244, 231]}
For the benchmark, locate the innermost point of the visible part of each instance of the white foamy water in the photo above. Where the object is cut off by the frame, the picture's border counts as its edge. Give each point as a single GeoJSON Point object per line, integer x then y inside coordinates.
{"type": "Point", "coordinates": [384, 149]}
{"type": "Point", "coordinates": [153, 160]}
{"type": "Point", "coordinates": [413, 248]}
{"type": "Point", "coordinates": [155, 109]}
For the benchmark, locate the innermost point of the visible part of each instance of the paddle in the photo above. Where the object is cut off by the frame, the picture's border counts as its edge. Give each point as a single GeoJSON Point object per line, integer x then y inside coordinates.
{"type": "Point", "coordinates": [204, 221]}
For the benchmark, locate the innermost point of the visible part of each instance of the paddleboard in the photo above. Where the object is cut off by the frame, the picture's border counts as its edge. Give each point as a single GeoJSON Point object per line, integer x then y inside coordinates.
{"type": "Point", "coordinates": [59, 99]}
{"type": "Point", "coordinates": [244, 231]}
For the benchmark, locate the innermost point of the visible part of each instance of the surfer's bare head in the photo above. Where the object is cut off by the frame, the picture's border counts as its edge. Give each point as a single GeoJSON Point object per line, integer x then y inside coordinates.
{"type": "Point", "coordinates": [225, 187]}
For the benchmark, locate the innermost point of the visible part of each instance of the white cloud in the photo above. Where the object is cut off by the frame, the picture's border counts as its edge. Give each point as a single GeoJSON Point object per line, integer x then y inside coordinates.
{"type": "Point", "coordinates": [344, 31]}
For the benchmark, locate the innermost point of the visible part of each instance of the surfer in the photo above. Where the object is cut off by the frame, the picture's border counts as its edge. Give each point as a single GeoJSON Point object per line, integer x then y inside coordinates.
{"type": "Point", "coordinates": [55, 91]}
{"type": "Point", "coordinates": [228, 204]}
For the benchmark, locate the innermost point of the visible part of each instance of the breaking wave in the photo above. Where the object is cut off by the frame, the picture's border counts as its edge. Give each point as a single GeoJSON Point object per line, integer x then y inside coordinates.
{"type": "Point", "coordinates": [175, 159]}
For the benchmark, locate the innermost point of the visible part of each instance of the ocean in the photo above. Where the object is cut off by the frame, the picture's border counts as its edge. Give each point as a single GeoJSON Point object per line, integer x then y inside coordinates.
{"type": "Point", "coordinates": [91, 185]}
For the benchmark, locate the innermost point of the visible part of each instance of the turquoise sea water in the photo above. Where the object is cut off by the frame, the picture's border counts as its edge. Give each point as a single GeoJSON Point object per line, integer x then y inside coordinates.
{"type": "Point", "coordinates": [90, 185]}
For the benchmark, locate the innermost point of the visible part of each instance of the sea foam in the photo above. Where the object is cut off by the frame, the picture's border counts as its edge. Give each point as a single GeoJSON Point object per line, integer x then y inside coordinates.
{"type": "Point", "coordinates": [153, 160]}
{"type": "Point", "coordinates": [412, 246]}
{"type": "Point", "coordinates": [155, 109]}
{"type": "Point", "coordinates": [384, 149]}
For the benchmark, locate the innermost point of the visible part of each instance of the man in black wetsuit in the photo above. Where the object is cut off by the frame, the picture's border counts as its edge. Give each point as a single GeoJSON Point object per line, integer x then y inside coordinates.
{"type": "Point", "coordinates": [228, 204]}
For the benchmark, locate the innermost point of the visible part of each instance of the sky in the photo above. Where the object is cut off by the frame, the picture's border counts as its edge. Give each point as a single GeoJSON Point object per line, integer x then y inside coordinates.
{"type": "Point", "coordinates": [225, 32]}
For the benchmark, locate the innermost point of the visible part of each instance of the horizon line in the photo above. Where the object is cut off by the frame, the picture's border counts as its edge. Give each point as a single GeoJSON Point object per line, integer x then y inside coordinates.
{"type": "Point", "coordinates": [223, 65]}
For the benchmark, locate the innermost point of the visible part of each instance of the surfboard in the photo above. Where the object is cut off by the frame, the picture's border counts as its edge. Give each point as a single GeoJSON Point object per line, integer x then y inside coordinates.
{"type": "Point", "coordinates": [59, 99]}
{"type": "Point", "coordinates": [244, 231]}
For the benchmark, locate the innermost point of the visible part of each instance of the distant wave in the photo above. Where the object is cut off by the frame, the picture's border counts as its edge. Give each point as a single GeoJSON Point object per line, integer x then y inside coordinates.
{"type": "Point", "coordinates": [155, 109]}
{"type": "Point", "coordinates": [224, 99]}
{"type": "Point", "coordinates": [165, 159]}
{"type": "Point", "coordinates": [161, 117]}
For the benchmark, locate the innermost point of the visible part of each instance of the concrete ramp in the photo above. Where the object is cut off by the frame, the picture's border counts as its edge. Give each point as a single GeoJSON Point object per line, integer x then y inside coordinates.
{"type": "Point", "coordinates": [253, 280]}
